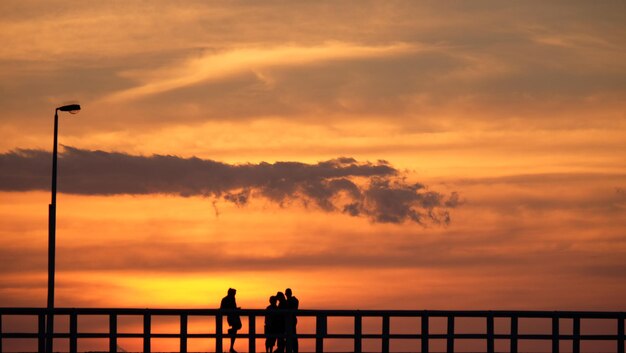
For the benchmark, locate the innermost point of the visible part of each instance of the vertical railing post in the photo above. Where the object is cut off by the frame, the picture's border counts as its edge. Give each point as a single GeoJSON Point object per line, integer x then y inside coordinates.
{"type": "Point", "coordinates": [252, 333]}
{"type": "Point", "coordinates": [620, 333]}
{"type": "Point", "coordinates": [490, 334]}
{"type": "Point", "coordinates": [385, 339]}
{"type": "Point", "coordinates": [576, 332]}
{"type": "Point", "coordinates": [183, 333]}
{"type": "Point", "coordinates": [358, 330]}
{"type": "Point", "coordinates": [73, 332]}
{"type": "Point", "coordinates": [320, 331]}
{"type": "Point", "coordinates": [218, 333]}
{"type": "Point", "coordinates": [513, 334]}
{"type": "Point", "coordinates": [555, 333]}
{"type": "Point", "coordinates": [450, 334]}
{"type": "Point", "coordinates": [41, 332]}
{"type": "Point", "coordinates": [146, 332]}
{"type": "Point", "coordinates": [425, 332]}
{"type": "Point", "coordinates": [113, 333]}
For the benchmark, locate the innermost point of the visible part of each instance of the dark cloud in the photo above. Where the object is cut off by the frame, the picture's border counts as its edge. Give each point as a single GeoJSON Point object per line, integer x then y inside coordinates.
{"type": "Point", "coordinates": [374, 190]}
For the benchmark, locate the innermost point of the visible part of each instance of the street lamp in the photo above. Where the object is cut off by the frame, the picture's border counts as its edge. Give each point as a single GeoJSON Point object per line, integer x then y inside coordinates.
{"type": "Point", "coordinates": [73, 109]}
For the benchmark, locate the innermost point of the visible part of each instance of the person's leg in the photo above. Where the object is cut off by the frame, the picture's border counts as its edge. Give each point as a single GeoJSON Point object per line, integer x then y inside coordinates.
{"type": "Point", "coordinates": [294, 347]}
{"type": "Point", "coordinates": [289, 338]}
{"type": "Point", "coordinates": [280, 345]}
{"type": "Point", "coordinates": [233, 334]}
{"type": "Point", "coordinates": [289, 342]}
{"type": "Point", "coordinates": [270, 344]}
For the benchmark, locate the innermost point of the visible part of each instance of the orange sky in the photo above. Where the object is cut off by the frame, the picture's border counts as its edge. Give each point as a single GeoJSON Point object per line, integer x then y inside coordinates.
{"type": "Point", "coordinates": [517, 107]}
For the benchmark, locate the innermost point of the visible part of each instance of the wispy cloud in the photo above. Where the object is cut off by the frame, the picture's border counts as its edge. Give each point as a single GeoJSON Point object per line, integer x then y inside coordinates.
{"type": "Point", "coordinates": [212, 66]}
{"type": "Point", "coordinates": [374, 190]}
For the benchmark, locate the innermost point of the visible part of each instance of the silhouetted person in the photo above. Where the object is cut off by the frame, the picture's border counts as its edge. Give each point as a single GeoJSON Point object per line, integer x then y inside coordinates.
{"type": "Point", "coordinates": [234, 321]}
{"type": "Point", "coordinates": [280, 322]}
{"type": "Point", "coordinates": [291, 321]}
{"type": "Point", "coordinates": [270, 330]}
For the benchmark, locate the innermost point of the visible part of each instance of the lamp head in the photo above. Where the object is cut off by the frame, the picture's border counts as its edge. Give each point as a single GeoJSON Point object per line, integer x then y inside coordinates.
{"type": "Point", "coordinates": [72, 108]}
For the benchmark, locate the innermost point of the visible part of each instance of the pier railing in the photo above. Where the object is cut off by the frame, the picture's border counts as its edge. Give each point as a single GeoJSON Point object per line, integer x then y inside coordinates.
{"type": "Point", "coordinates": [423, 331]}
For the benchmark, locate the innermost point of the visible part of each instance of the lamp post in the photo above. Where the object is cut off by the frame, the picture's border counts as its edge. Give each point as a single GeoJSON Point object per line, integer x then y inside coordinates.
{"type": "Point", "coordinates": [73, 109]}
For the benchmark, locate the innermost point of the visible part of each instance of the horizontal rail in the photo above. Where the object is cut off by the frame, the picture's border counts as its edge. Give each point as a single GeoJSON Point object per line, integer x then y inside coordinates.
{"type": "Point", "coordinates": [425, 335]}
{"type": "Point", "coordinates": [314, 312]}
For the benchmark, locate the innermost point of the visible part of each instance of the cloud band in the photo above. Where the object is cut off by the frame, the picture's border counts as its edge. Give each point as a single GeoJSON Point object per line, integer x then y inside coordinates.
{"type": "Point", "coordinates": [373, 190]}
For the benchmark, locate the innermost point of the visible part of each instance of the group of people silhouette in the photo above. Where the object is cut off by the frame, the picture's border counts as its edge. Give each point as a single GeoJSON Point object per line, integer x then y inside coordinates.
{"type": "Point", "coordinates": [280, 326]}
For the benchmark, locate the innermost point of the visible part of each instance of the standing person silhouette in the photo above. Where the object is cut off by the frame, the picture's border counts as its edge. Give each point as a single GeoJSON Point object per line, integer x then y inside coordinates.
{"type": "Point", "coordinates": [280, 322]}
{"type": "Point", "coordinates": [292, 339]}
{"type": "Point", "coordinates": [234, 321]}
{"type": "Point", "coordinates": [270, 323]}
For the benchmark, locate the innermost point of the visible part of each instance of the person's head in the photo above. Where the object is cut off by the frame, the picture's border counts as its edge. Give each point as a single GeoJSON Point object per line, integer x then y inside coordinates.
{"type": "Point", "coordinates": [273, 300]}
{"type": "Point", "coordinates": [232, 292]}
{"type": "Point", "coordinates": [280, 296]}
{"type": "Point", "coordinates": [288, 292]}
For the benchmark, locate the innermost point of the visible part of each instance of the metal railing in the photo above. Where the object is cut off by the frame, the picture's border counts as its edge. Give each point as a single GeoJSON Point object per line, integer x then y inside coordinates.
{"type": "Point", "coordinates": [425, 334]}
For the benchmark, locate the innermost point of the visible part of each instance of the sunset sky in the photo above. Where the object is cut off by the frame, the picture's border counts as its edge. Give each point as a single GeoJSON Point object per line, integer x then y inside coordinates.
{"type": "Point", "coordinates": [390, 155]}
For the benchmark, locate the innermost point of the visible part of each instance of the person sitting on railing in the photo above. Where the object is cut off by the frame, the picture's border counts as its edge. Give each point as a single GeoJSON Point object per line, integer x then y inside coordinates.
{"type": "Point", "coordinates": [233, 319]}
{"type": "Point", "coordinates": [270, 323]}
